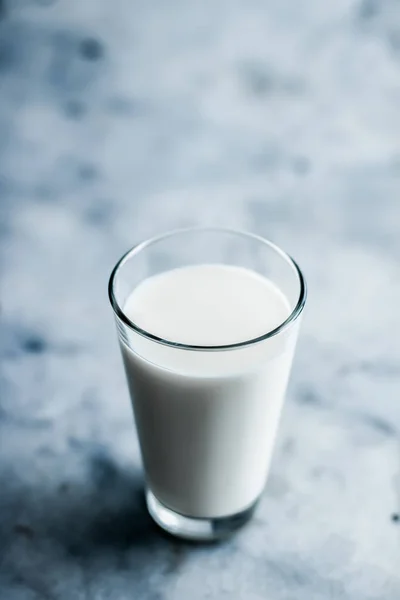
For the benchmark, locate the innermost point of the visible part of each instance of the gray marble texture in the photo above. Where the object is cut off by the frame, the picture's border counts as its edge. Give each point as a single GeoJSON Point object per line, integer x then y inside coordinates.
{"type": "Point", "coordinates": [121, 119]}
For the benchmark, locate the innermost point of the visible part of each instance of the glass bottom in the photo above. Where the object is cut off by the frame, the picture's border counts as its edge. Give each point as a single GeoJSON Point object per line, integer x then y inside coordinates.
{"type": "Point", "coordinates": [196, 529]}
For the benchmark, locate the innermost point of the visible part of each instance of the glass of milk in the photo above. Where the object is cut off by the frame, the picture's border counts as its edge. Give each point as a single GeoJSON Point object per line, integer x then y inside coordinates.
{"type": "Point", "coordinates": [207, 322]}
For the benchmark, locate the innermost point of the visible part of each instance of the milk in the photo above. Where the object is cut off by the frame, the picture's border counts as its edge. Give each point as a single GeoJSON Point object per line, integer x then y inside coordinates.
{"type": "Point", "coordinates": [207, 419]}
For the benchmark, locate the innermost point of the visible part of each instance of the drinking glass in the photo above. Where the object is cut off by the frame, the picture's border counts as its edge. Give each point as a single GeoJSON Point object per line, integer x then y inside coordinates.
{"type": "Point", "coordinates": [206, 415]}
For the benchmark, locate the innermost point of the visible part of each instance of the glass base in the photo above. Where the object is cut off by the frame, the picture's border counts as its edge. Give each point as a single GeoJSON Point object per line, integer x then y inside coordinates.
{"type": "Point", "coordinates": [196, 529]}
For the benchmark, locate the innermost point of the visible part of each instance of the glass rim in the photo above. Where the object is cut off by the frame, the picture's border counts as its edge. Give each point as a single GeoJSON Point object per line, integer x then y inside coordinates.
{"type": "Point", "coordinates": [137, 248]}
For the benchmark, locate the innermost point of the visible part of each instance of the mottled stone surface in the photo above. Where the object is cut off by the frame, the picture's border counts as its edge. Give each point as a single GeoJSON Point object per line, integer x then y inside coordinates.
{"type": "Point", "coordinates": [122, 119]}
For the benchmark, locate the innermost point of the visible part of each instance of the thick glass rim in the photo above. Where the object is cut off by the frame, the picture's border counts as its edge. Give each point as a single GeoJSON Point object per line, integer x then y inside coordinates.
{"type": "Point", "coordinates": [296, 312]}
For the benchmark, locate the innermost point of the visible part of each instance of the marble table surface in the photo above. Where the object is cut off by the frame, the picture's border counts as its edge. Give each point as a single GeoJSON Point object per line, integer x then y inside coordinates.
{"type": "Point", "coordinates": [119, 120]}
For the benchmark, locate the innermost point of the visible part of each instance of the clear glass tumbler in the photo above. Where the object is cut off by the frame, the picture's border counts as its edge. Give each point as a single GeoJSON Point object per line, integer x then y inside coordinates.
{"type": "Point", "coordinates": [206, 416]}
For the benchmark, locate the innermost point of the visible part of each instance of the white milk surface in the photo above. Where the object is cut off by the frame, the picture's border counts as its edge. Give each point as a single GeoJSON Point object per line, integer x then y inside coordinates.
{"type": "Point", "coordinates": [207, 419]}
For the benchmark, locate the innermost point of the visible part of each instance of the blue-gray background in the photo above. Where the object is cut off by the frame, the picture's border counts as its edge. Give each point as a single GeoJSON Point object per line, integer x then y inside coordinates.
{"type": "Point", "coordinates": [120, 119]}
